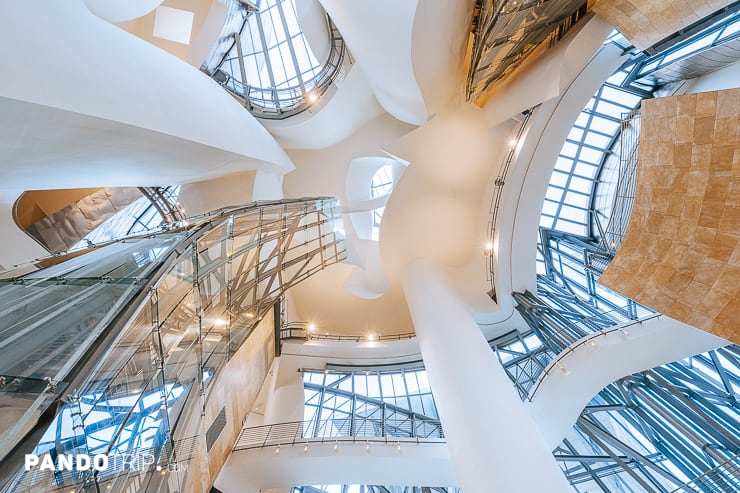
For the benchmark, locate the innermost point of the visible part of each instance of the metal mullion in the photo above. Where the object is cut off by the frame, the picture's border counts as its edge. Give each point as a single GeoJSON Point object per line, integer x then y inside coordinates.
{"type": "Point", "coordinates": [586, 467]}
{"type": "Point", "coordinates": [592, 431]}
{"type": "Point", "coordinates": [268, 63]}
{"type": "Point", "coordinates": [676, 450]}
{"type": "Point", "coordinates": [680, 405]}
{"type": "Point", "coordinates": [291, 48]}
{"type": "Point", "coordinates": [682, 376]}
{"type": "Point", "coordinates": [722, 374]}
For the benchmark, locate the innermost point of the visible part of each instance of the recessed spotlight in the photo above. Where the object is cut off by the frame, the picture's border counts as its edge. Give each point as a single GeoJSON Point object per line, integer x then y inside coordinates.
{"type": "Point", "coordinates": [312, 97]}
{"type": "Point", "coordinates": [311, 327]}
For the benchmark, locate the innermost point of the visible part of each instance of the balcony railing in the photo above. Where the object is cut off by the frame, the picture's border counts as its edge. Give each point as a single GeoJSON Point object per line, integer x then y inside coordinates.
{"type": "Point", "coordinates": [304, 331]}
{"type": "Point", "coordinates": [723, 478]}
{"type": "Point", "coordinates": [346, 429]}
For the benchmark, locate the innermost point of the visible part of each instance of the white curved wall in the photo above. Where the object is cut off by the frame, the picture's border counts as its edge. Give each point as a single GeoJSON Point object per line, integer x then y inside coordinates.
{"type": "Point", "coordinates": [561, 397]}
{"type": "Point", "coordinates": [90, 67]}
{"type": "Point", "coordinates": [117, 11]}
{"type": "Point", "coordinates": [438, 49]}
{"type": "Point", "coordinates": [341, 111]}
{"type": "Point", "coordinates": [255, 470]}
{"type": "Point", "coordinates": [312, 20]}
{"type": "Point", "coordinates": [379, 35]}
{"type": "Point", "coordinates": [526, 183]}
{"type": "Point", "coordinates": [17, 245]}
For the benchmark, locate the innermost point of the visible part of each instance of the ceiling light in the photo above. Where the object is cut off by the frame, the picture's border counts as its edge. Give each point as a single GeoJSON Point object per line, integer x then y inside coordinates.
{"type": "Point", "coordinates": [277, 450]}
{"type": "Point", "coordinates": [593, 344]}
{"type": "Point", "coordinates": [336, 446]}
{"type": "Point", "coordinates": [312, 97]}
{"type": "Point", "coordinates": [489, 246]}
{"type": "Point", "coordinates": [513, 143]}
{"type": "Point", "coordinates": [565, 371]}
{"type": "Point", "coordinates": [398, 447]}
{"type": "Point", "coordinates": [305, 449]}
{"type": "Point", "coordinates": [367, 447]}
{"type": "Point", "coordinates": [311, 327]}
{"type": "Point", "coordinates": [371, 337]}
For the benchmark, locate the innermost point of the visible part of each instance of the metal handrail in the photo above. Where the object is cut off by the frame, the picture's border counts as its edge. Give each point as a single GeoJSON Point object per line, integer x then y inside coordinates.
{"type": "Point", "coordinates": [498, 193]}
{"type": "Point", "coordinates": [723, 478]}
{"type": "Point", "coordinates": [302, 331]}
{"type": "Point", "coordinates": [283, 102]}
{"type": "Point", "coordinates": [556, 362]}
{"type": "Point", "coordinates": [345, 429]}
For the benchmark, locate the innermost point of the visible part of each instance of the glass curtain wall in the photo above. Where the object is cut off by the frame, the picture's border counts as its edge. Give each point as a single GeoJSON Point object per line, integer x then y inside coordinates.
{"type": "Point", "coordinates": [370, 403]}
{"type": "Point", "coordinates": [395, 404]}
{"type": "Point", "coordinates": [648, 432]}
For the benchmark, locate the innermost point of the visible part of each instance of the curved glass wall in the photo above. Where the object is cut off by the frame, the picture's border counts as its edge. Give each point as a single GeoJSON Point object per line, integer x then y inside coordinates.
{"type": "Point", "coordinates": [161, 315]}
{"type": "Point", "coordinates": [264, 59]}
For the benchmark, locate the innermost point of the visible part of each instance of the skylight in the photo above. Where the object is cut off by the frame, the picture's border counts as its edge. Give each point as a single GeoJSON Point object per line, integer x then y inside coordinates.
{"type": "Point", "coordinates": [267, 61]}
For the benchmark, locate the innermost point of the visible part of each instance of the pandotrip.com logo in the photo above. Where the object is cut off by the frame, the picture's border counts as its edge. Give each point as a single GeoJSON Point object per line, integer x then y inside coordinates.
{"type": "Point", "coordinates": [100, 462]}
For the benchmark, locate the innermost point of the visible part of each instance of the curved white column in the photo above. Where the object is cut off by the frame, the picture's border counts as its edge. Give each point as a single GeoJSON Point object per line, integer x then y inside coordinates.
{"type": "Point", "coordinates": [494, 445]}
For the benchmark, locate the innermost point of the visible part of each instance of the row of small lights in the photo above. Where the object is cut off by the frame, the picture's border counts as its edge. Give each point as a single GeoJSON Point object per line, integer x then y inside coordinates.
{"type": "Point", "coordinates": [312, 329]}
{"type": "Point", "coordinates": [592, 343]}
{"type": "Point", "coordinates": [489, 246]}
{"type": "Point", "coordinates": [335, 447]}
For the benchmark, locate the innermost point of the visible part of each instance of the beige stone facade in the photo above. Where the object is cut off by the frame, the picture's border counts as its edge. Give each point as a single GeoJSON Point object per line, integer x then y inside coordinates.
{"type": "Point", "coordinates": [645, 22]}
{"type": "Point", "coordinates": [681, 253]}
